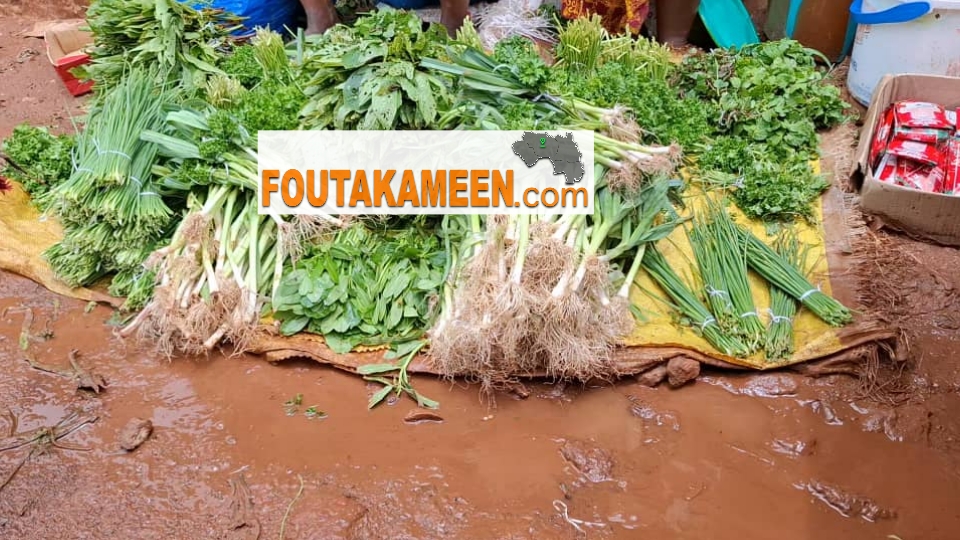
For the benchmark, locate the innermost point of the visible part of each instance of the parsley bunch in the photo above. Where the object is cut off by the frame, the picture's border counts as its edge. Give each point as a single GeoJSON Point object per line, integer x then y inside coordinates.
{"type": "Point", "coordinates": [656, 106]}
{"type": "Point", "coordinates": [519, 55]}
{"type": "Point", "coordinates": [769, 100]}
{"type": "Point", "coordinates": [37, 159]}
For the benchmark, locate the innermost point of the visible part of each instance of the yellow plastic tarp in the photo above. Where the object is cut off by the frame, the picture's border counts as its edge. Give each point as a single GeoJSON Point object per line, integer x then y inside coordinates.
{"type": "Point", "coordinates": [24, 235]}
{"type": "Point", "coordinates": [812, 337]}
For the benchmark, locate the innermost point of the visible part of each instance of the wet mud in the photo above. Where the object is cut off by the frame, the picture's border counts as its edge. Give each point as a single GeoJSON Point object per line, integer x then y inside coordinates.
{"type": "Point", "coordinates": [727, 456]}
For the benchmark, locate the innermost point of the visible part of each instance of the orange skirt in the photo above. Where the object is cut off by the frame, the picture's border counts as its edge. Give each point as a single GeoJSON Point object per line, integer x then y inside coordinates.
{"type": "Point", "coordinates": [618, 16]}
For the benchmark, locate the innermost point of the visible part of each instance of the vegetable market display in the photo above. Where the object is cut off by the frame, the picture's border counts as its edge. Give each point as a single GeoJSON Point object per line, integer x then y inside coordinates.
{"type": "Point", "coordinates": [157, 191]}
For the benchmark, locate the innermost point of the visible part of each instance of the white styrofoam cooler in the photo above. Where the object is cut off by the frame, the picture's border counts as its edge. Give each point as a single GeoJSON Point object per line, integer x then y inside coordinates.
{"type": "Point", "coordinates": [898, 36]}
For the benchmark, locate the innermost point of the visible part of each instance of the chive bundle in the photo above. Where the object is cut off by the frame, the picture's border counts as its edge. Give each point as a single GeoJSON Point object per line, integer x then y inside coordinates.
{"type": "Point", "coordinates": [783, 307]}
{"type": "Point", "coordinates": [111, 206]}
{"type": "Point", "coordinates": [777, 271]}
{"type": "Point", "coordinates": [688, 304]}
{"type": "Point", "coordinates": [721, 260]}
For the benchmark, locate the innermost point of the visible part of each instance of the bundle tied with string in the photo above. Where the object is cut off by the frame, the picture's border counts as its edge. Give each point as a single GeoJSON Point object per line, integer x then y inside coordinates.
{"type": "Point", "coordinates": [111, 207]}
{"type": "Point", "coordinates": [779, 272]}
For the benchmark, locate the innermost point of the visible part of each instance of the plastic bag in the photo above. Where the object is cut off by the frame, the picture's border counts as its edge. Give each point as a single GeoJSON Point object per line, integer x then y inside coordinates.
{"type": "Point", "coordinates": [278, 15]}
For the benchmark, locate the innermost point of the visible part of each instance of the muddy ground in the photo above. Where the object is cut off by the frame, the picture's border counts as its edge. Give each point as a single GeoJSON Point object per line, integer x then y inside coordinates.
{"type": "Point", "coordinates": [731, 456]}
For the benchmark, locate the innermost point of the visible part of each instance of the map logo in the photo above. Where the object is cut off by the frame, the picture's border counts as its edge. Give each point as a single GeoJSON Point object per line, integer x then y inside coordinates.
{"type": "Point", "coordinates": [561, 150]}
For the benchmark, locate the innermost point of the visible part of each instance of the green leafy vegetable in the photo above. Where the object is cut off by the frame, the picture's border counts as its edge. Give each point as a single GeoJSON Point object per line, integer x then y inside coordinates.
{"type": "Point", "coordinates": [242, 65]}
{"type": "Point", "coordinates": [182, 43]}
{"type": "Point", "coordinates": [368, 76]}
{"type": "Point", "coordinates": [520, 56]}
{"type": "Point", "coordinates": [770, 100]}
{"type": "Point", "coordinates": [364, 287]}
{"type": "Point", "coordinates": [37, 159]}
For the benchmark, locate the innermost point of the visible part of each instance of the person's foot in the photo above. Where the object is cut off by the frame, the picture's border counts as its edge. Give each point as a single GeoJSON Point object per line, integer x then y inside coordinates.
{"type": "Point", "coordinates": [321, 19]}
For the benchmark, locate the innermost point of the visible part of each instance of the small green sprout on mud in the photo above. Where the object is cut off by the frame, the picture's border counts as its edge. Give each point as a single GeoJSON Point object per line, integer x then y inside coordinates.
{"type": "Point", "coordinates": [313, 413]}
{"type": "Point", "coordinates": [26, 337]}
{"type": "Point", "coordinates": [292, 405]}
{"type": "Point", "coordinates": [400, 382]}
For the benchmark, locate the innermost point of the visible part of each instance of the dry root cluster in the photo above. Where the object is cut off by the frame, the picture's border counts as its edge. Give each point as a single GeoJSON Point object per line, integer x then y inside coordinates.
{"type": "Point", "coordinates": [498, 329]}
{"type": "Point", "coordinates": [178, 318]}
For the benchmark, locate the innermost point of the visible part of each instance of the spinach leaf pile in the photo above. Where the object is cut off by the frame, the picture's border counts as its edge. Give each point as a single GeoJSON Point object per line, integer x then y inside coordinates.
{"type": "Point", "coordinates": [365, 287]}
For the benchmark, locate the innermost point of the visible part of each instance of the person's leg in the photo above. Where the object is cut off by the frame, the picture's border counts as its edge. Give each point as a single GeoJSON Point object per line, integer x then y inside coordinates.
{"type": "Point", "coordinates": [674, 20]}
{"type": "Point", "coordinates": [321, 15]}
{"type": "Point", "coordinates": [452, 13]}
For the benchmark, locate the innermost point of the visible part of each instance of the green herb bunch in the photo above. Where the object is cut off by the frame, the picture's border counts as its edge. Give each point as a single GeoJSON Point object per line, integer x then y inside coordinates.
{"type": "Point", "coordinates": [769, 101]}
{"type": "Point", "coordinates": [771, 92]}
{"type": "Point", "coordinates": [241, 65]}
{"type": "Point", "coordinates": [520, 56]}
{"type": "Point", "coordinates": [656, 106]}
{"type": "Point", "coordinates": [37, 159]}
{"type": "Point", "coordinates": [369, 76]}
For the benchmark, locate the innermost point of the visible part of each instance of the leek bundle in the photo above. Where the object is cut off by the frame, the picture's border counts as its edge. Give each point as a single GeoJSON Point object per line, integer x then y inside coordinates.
{"type": "Point", "coordinates": [224, 259]}
{"type": "Point", "coordinates": [722, 261]}
{"type": "Point", "coordinates": [111, 208]}
{"type": "Point", "coordinates": [542, 293]}
{"type": "Point", "coordinates": [783, 307]}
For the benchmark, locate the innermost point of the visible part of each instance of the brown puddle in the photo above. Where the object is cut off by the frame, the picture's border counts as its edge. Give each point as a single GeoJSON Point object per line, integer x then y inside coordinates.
{"type": "Point", "coordinates": [730, 456]}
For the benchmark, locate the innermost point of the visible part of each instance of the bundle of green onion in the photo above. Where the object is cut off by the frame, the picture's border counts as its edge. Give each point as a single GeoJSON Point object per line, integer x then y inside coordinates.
{"type": "Point", "coordinates": [783, 307]}
{"type": "Point", "coordinates": [721, 259]}
{"type": "Point", "coordinates": [689, 306]}
{"type": "Point", "coordinates": [224, 259]}
{"type": "Point", "coordinates": [493, 88]}
{"type": "Point", "coordinates": [111, 208]}
{"type": "Point", "coordinates": [780, 273]}
{"type": "Point", "coordinates": [539, 293]}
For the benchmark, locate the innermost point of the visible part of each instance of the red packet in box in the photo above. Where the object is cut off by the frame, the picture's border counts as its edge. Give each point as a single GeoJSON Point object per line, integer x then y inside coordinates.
{"type": "Point", "coordinates": [920, 114]}
{"type": "Point", "coordinates": [919, 134]}
{"type": "Point", "coordinates": [950, 163]}
{"type": "Point", "coordinates": [881, 136]}
{"type": "Point", "coordinates": [918, 176]}
{"type": "Point", "coordinates": [886, 171]}
{"type": "Point", "coordinates": [926, 154]}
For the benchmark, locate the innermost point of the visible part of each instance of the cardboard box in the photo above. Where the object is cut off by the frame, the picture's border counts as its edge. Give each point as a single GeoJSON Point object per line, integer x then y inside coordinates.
{"type": "Point", "coordinates": [931, 216]}
{"type": "Point", "coordinates": [65, 48]}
